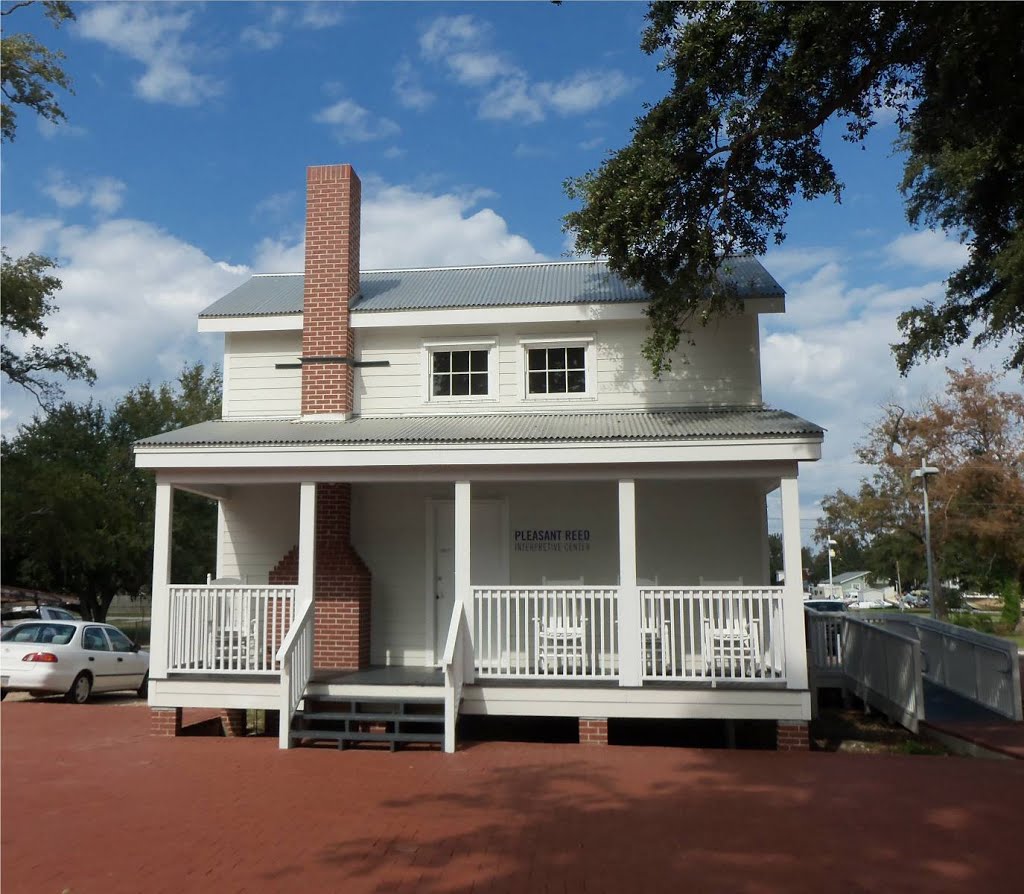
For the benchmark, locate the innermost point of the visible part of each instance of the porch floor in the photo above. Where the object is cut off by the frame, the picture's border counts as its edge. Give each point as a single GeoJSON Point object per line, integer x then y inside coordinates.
{"type": "Point", "coordinates": [434, 676]}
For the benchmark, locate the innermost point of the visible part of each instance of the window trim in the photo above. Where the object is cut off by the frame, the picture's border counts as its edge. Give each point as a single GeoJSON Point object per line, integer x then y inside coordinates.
{"type": "Point", "coordinates": [587, 342]}
{"type": "Point", "coordinates": [459, 344]}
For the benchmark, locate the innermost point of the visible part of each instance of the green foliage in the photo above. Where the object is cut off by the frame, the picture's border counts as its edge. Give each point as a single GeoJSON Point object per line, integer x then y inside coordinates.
{"type": "Point", "coordinates": [30, 71]}
{"type": "Point", "coordinates": [77, 516]}
{"type": "Point", "coordinates": [1010, 615]}
{"type": "Point", "coordinates": [713, 168]}
{"type": "Point", "coordinates": [973, 621]}
{"type": "Point", "coordinates": [26, 299]}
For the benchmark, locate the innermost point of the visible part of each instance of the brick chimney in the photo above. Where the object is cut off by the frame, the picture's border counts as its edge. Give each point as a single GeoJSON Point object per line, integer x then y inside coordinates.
{"type": "Point", "coordinates": [331, 282]}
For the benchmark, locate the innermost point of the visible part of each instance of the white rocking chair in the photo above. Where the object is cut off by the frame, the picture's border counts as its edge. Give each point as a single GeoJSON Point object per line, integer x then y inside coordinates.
{"type": "Point", "coordinates": [560, 632]}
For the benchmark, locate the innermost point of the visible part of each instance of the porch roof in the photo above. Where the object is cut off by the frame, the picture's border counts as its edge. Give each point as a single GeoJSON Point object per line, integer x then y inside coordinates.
{"type": "Point", "coordinates": [661, 425]}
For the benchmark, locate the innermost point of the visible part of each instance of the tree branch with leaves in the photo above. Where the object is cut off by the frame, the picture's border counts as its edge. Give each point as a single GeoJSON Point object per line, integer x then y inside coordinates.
{"type": "Point", "coordinates": [713, 168]}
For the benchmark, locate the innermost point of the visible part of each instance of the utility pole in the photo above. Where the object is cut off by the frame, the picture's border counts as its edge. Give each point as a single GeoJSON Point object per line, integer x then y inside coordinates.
{"type": "Point", "coordinates": [899, 585]}
{"type": "Point", "coordinates": [923, 474]}
{"type": "Point", "coordinates": [829, 543]}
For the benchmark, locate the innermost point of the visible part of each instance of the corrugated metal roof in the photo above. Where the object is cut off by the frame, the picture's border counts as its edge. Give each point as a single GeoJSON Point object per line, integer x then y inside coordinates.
{"type": "Point", "coordinates": [565, 282]}
{"type": "Point", "coordinates": [738, 423]}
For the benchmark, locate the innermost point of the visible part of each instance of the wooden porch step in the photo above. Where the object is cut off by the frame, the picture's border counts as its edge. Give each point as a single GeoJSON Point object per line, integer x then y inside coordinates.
{"type": "Point", "coordinates": [343, 736]}
{"type": "Point", "coordinates": [359, 715]}
{"type": "Point", "coordinates": [381, 699]}
{"type": "Point", "coordinates": [343, 719]}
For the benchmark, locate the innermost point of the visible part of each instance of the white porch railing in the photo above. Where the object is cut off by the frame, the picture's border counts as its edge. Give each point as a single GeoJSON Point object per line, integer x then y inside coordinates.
{"type": "Point", "coordinates": [457, 662]}
{"type": "Point", "coordinates": [824, 639]}
{"type": "Point", "coordinates": [227, 629]}
{"type": "Point", "coordinates": [545, 632]}
{"type": "Point", "coordinates": [296, 661]}
{"type": "Point", "coordinates": [733, 634]}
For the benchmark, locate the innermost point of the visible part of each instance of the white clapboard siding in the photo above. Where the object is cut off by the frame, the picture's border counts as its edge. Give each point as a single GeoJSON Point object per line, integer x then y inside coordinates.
{"type": "Point", "coordinates": [259, 525]}
{"type": "Point", "coordinates": [721, 367]}
{"type": "Point", "coordinates": [253, 386]}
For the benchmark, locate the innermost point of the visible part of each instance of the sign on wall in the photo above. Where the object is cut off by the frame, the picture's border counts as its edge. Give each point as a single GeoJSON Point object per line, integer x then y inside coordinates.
{"type": "Point", "coordinates": [551, 540]}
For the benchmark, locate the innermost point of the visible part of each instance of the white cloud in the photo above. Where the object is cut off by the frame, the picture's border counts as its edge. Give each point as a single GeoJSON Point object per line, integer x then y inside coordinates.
{"type": "Point", "coordinates": [529, 150]}
{"type": "Point", "coordinates": [319, 15]}
{"type": "Point", "coordinates": [260, 38]}
{"type": "Point", "coordinates": [276, 204]}
{"type": "Point", "coordinates": [103, 194]}
{"type": "Point", "coordinates": [136, 320]}
{"type": "Point", "coordinates": [592, 143]}
{"type": "Point", "coordinates": [408, 89]}
{"type": "Point", "coordinates": [585, 91]}
{"type": "Point", "coordinates": [928, 250]}
{"type": "Point", "coordinates": [154, 36]}
{"type": "Point", "coordinates": [49, 131]}
{"type": "Point", "coordinates": [352, 122]}
{"type": "Point", "coordinates": [407, 227]}
{"type": "Point", "coordinates": [270, 32]}
{"type": "Point", "coordinates": [789, 262]}
{"type": "Point", "coordinates": [448, 33]}
{"type": "Point", "coordinates": [512, 100]}
{"type": "Point", "coordinates": [462, 44]}
{"type": "Point", "coordinates": [828, 358]}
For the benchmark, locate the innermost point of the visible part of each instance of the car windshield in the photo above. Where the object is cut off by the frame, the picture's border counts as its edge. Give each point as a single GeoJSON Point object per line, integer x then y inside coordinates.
{"type": "Point", "coordinates": [57, 634]}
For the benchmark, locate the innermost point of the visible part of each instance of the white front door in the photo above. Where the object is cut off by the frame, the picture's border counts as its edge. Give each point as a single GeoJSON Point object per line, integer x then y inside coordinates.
{"type": "Point", "coordinates": [489, 561]}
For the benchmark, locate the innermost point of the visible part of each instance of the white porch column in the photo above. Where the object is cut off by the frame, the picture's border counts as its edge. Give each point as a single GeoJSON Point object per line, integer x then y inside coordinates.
{"type": "Point", "coordinates": [307, 544]}
{"type": "Point", "coordinates": [630, 669]}
{"type": "Point", "coordinates": [793, 602]}
{"type": "Point", "coordinates": [463, 560]}
{"type": "Point", "coordinates": [160, 611]}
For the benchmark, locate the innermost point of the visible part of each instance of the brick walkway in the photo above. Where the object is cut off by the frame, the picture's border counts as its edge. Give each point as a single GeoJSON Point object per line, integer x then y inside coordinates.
{"type": "Point", "coordinates": [91, 803]}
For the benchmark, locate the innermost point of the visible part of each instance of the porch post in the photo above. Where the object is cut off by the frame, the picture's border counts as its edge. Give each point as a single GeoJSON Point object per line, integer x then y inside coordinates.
{"type": "Point", "coordinates": [630, 670]}
{"type": "Point", "coordinates": [793, 608]}
{"type": "Point", "coordinates": [463, 561]}
{"type": "Point", "coordinates": [307, 544]}
{"type": "Point", "coordinates": [160, 612]}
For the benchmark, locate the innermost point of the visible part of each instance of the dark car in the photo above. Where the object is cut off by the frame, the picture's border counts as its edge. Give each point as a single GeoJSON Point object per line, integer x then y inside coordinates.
{"type": "Point", "coordinates": [825, 605]}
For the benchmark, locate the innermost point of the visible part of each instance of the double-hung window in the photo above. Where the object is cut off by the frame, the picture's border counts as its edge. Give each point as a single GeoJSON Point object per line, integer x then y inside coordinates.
{"type": "Point", "coordinates": [558, 368]}
{"type": "Point", "coordinates": [457, 371]}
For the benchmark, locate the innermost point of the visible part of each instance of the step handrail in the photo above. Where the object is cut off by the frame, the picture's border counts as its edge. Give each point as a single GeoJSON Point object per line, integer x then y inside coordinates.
{"type": "Point", "coordinates": [457, 656]}
{"type": "Point", "coordinates": [296, 658]}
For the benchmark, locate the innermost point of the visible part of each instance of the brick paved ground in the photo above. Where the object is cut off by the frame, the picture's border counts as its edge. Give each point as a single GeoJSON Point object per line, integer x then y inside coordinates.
{"type": "Point", "coordinates": [91, 803]}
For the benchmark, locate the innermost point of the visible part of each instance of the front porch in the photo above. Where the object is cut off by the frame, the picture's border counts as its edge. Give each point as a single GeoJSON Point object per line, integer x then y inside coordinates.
{"type": "Point", "coordinates": [655, 604]}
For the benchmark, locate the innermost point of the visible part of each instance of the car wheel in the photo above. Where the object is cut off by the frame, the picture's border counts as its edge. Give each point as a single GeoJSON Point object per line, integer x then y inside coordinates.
{"type": "Point", "coordinates": [3, 694]}
{"type": "Point", "coordinates": [80, 690]}
{"type": "Point", "coordinates": [143, 690]}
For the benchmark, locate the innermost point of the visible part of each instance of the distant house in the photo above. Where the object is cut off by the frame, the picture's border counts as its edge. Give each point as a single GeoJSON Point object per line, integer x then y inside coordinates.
{"type": "Point", "coordinates": [464, 484]}
{"type": "Point", "coordinates": [852, 583]}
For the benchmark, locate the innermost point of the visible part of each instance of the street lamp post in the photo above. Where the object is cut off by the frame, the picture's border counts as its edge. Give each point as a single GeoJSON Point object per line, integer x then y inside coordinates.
{"type": "Point", "coordinates": [923, 474]}
{"type": "Point", "coordinates": [829, 543]}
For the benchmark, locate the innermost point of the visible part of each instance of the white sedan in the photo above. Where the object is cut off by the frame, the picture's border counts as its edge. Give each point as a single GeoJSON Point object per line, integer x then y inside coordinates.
{"type": "Point", "coordinates": [73, 658]}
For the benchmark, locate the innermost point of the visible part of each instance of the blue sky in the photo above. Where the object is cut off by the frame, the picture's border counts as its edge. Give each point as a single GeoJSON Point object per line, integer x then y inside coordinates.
{"type": "Point", "coordinates": [181, 170]}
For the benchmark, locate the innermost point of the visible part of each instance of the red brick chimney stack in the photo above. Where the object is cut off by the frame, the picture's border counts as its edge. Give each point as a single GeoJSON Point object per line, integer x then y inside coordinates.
{"type": "Point", "coordinates": [331, 282]}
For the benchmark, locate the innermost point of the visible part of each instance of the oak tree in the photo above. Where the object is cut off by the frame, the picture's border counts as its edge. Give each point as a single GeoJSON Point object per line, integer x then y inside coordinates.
{"type": "Point", "coordinates": [713, 168]}
{"type": "Point", "coordinates": [76, 516]}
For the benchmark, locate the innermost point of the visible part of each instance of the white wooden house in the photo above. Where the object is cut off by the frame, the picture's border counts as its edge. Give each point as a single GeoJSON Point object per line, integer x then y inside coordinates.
{"type": "Point", "coordinates": [464, 485]}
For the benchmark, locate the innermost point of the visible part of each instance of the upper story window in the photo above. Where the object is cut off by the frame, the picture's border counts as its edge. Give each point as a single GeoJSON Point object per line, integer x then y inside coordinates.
{"type": "Point", "coordinates": [458, 373]}
{"type": "Point", "coordinates": [558, 368]}
{"type": "Point", "coordinates": [461, 370]}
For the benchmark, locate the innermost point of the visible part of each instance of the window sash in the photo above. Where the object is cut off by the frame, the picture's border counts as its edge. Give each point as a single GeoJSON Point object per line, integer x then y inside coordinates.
{"type": "Point", "coordinates": [557, 370]}
{"type": "Point", "coordinates": [459, 373]}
